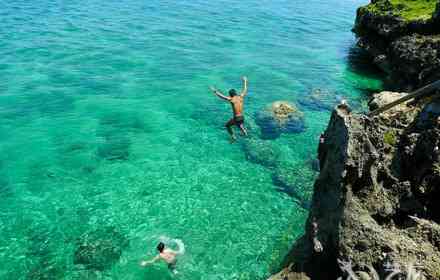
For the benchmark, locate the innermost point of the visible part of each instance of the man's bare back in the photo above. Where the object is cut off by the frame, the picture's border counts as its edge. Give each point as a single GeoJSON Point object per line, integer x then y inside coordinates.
{"type": "Point", "coordinates": [168, 255]}
{"type": "Point", "coordinates": [237, 105]}
{"type": "Point", "coordinates": [237, 102]}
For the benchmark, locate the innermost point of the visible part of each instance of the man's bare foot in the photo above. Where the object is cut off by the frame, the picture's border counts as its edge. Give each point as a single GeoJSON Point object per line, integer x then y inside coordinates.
{"type": "Point", "coordinates": [233, 139]}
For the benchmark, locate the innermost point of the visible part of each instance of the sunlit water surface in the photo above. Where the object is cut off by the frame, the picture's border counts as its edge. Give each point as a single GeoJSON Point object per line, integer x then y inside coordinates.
{"type": "Point", "coordinates": [109, 134]}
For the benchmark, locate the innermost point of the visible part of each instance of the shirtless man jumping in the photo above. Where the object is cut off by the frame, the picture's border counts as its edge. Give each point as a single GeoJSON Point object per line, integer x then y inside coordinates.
{"type": "Point", "coordinates": [237, 107]}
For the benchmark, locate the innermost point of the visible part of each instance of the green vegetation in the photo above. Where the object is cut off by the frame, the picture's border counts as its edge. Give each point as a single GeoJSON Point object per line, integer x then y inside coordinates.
{"type": "Point", "coordinates": [390, 138]}
{"type": "Point", "coordinates": [406, 9]}
{"type": "Point", "coordinates": [436, 168]}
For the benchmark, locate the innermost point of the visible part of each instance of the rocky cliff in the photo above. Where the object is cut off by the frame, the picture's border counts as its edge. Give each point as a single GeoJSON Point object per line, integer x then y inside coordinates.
{"type": "Point", "coordinates": [403, 38]}
{"type": "Point", "coordinates": [374, 212]}
{"type": "Point", "coordinates": [375, 201]}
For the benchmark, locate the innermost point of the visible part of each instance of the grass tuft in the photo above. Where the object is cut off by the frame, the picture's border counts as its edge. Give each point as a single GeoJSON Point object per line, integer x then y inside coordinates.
{"type": "Point", "coordinates": [406, 9]}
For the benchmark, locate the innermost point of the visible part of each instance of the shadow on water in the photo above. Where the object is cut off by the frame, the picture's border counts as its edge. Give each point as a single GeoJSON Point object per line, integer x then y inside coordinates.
{"type": "Point", "coordinates": [5, 188]}
{"type": "Point", "coordinates": [40, 255]}
{"type": "Point", "coordinates": [360, 62]}
{"type": "Point", "coordinates": [113, 129]}
{"type": "Point", "coordinates": [294, 181]}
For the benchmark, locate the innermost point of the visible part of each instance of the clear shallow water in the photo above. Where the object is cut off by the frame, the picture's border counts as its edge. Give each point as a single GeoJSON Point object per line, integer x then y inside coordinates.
{"type": "Point", "coordinates": [106, 123]}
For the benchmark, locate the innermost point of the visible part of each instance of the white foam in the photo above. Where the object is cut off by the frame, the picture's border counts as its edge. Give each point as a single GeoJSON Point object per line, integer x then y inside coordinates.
{"type": "Point", "coordinates": [170, 241]}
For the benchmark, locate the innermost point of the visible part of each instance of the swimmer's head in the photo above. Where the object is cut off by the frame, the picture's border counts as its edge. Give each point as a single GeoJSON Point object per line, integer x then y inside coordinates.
{"type": "Point", "coordinates": [160, 247]}
{"type": "Point", "coordinates": [232, 92]}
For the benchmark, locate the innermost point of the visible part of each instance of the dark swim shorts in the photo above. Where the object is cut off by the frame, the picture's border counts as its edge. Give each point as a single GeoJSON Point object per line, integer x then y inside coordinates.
{"type": "Point", "coordinates": [238, 120]}
{"type": "Point", "coordinates": [172, 266]}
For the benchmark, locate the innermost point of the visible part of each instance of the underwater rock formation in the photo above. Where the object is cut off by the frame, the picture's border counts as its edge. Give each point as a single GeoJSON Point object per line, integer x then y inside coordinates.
{"type": "Point", "coordinates": [376, 197]}
{"type": "Point", "coordinates": [261, 152]}
{"type": "Point", "coordinates": [319, 100]}
{"type": "Point", "coordinates": [403, 38]}
{"type": "Point", "coordinates": [295, 181]}
{"type": "Point", "coordinates": [100, 249]}
{"type": "Point", "coordinates": [280, 117]}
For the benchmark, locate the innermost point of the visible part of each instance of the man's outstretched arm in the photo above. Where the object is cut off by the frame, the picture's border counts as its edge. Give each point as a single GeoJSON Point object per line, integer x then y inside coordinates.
{"type": "Point", "coordinates": [245, 86]}
{"type": "Point", "coordinates": [219, 93]}
{"type": "Point", "coordinates": [153, 260]}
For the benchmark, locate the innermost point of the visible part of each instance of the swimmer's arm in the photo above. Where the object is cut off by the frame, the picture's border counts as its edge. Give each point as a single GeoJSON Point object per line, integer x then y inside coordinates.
{"type": "Point", "coordinates": [245, 86]}
{"type": "Point", "coordinates": [219, 93]}
{"type": "Point", "coordinates": [153, 260]}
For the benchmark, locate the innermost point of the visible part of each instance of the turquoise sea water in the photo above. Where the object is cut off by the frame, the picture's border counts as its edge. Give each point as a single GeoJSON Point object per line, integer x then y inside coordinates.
{"type": "Point", "coordinates": [109, 137]}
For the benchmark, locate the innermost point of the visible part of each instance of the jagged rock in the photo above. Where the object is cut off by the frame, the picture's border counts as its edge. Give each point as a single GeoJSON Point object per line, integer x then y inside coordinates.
{"type": "Point", "coordinates": [382, 24]}
{"type": "Point", "coordinates": [429, 115]}
{"type": "Point", "coordinates": [383, 98]}
{"type": "Point", "coordinates": [287, 274]}
{"type": "Point", "coordinates": [100, 249]}
{"type": "Point", "coordinates": [280, 117]}
{"type": "Point", "coordinates": [405, 47]}
{"type": "Point", "coordinates": [369, 203]}
{"type": "Point", "coordinates": [416, 58]}
{"type": "Point", "coordinates": [436, 16]}
{"type": "Point", "coordinates": [386, 97]}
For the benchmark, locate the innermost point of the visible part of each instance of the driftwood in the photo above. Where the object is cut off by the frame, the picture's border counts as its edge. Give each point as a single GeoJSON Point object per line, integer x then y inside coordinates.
{"type": "Point", "coordinates": [424, 91]}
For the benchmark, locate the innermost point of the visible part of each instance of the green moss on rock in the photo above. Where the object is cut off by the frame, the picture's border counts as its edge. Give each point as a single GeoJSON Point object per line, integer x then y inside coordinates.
{"type": "Point", "coordinates": [410, 10]}
{"type": "Point", "coordinates": [390, 138]}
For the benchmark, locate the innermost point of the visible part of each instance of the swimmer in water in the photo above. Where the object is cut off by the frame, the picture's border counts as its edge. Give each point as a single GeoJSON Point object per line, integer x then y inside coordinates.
{"type": "Point", "coordinates": [167, 255]}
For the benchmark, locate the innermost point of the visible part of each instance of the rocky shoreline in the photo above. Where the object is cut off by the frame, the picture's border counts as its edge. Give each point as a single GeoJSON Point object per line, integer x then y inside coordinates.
{"type": "Point", "coordinates": [405, 46]}
{"type": "Point", "coordinates": [374, 207]}
{"type": "Point", "coordinates": [374, 200]}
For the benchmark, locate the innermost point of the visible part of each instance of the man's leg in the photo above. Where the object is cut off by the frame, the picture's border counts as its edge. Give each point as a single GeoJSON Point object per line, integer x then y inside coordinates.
{"type": "Point", "coordinates": [243, 129]}
{"type": "Point", "coordinates": [228, 126]}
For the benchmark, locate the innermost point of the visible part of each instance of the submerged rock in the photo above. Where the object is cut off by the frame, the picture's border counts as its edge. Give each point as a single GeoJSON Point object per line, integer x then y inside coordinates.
{"type": "Point", "coordinates": [100, 249]}
{"type": "Point", "coordinates": [296, 181]}
{"type": "Point", "coordinates": [5, 188]}
{"type": "Point", "coordinates": [115, 147]}
{"type": "Point", "coordinates": [280, 117]}
{"type": "Point", "coordinates": [261, 152]}
{"type": "Point", "coordinates": [319, 100]}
